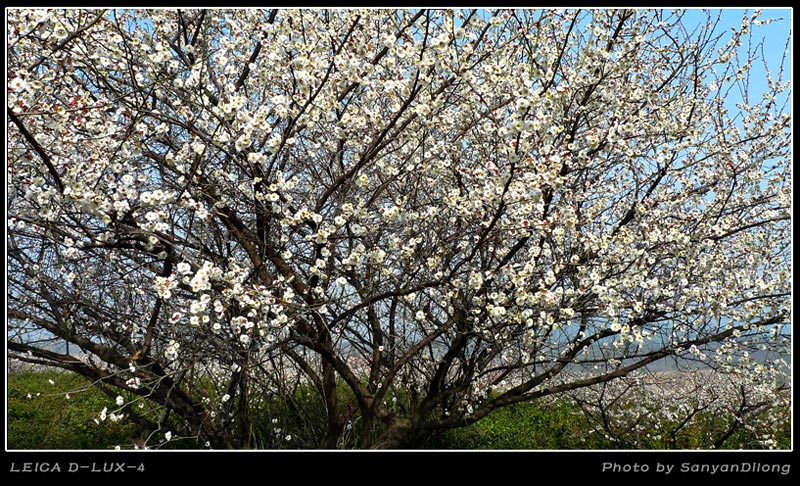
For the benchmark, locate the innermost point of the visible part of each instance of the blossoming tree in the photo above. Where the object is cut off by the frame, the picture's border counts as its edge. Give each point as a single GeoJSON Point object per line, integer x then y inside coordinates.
{"type": "Point", "coordinates": [689, 410]}
{"type": "Point", "coordinates": [418, 216]}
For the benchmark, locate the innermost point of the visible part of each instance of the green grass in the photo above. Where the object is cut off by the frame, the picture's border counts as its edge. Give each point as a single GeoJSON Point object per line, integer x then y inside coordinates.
{"type": "Point", "coordinates": [523, 426]}
{"type": "Point", "coordinates": [49, 420]}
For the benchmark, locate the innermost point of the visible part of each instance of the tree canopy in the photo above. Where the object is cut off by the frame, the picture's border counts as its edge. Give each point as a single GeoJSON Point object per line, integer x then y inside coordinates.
{"type": "Point", "coordinates": [440, 212]}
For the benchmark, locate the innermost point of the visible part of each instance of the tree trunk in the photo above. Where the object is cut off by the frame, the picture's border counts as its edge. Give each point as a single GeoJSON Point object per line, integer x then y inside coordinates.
{"type": "Point", "coordinates": [398, 435]}
{"type": "Point", "coordinates": [334, 419]}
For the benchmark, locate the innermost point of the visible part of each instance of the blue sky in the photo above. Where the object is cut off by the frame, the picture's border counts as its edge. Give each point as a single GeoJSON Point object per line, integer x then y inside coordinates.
{"type": "Point", "coordinates": [774, 37]}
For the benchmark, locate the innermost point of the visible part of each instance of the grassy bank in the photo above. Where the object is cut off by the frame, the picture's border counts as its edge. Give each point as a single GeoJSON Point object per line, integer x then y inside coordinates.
{"type": "Point", "coordinates": [56, 410]}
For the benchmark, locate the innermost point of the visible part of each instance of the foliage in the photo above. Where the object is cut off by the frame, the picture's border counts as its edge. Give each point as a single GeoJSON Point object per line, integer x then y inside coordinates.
{"type": "Point", "coordinates": [215, 210]}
